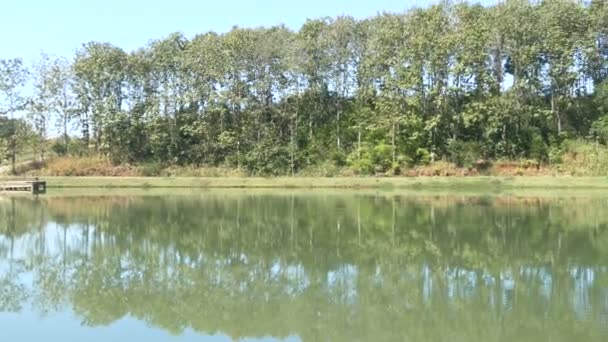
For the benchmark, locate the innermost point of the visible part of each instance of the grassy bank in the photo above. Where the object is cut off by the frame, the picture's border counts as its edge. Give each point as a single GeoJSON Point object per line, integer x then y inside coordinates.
{"type": "Point", "coordinates": [412, 183]}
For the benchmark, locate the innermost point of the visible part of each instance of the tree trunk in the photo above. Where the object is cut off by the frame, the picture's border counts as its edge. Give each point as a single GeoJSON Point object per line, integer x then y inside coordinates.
{"type": "Point", "coordinates": [338, 128]}
{"type": "Point", "coordinates": [238, 155]}
{"type": "Point", "coordinates": [310, 133]}
{"type": "Point", "coordinates": [359, 144]}
{"type": "Point", "coordinates": [86, 135]}
{"type": "Point", "coordinates": [498, 70]}
{"type": "Point", "coordinates": [293, 173]}
{"type": "Point", "coordinates": [66, 138]}
{"type": "Point", "coordinates": [257, 119]}
{"type": "Point", "coordinates": [13, 146]}
{"type": "Point", "coordinates": [42, 148]}
{"type": "Point", "coordinates": [13, 155]}
{"type": "Point", "coordinates": [394, 144]}
{"type": "Point", "coordinates": [556, 112]}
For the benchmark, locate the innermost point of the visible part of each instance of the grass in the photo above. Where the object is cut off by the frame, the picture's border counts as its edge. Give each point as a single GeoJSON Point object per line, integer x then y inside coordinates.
{"type": "Point", "coordinates": [480, 184]}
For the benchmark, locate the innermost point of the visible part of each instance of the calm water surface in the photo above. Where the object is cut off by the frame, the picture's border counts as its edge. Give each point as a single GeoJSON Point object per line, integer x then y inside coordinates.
{"type": "Point", "coordinates": [281, 266]}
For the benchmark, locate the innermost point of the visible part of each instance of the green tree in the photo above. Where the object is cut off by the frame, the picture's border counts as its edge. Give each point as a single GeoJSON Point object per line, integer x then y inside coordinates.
{"type": "Point", "coordinates": [13, 76]}
{"type": "Point", "coordinates": [99, 70]}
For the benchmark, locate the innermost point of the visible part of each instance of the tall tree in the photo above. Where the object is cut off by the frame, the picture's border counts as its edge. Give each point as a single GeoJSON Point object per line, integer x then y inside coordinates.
{"type": "Point", "coordinates": [53, 82]}
{"type": "Point", "coordinates": [13, 76]}
{"type": "Point", "coordinates": [99, 70]}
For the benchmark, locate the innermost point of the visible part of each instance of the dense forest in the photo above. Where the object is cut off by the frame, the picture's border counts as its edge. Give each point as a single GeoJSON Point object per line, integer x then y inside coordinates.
{"type": "Point", "coordinates": [458, 82]}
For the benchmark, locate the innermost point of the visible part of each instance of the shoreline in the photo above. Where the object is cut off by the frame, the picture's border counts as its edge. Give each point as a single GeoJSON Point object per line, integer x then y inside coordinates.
{"type": "Point", "coordinates": [483, 183]}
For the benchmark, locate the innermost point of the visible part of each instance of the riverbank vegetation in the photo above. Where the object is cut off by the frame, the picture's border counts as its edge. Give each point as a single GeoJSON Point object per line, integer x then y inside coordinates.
{"type": "Point", "coordinates": [451, 89]}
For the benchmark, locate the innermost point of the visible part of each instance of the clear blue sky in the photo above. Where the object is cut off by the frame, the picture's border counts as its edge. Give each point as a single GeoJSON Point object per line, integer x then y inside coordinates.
{"type": "Point", "coordinates": [61, 26]}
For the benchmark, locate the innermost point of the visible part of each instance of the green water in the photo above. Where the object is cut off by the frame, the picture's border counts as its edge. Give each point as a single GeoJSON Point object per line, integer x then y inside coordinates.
{"type": "Point", "coordinates": [304, 266]}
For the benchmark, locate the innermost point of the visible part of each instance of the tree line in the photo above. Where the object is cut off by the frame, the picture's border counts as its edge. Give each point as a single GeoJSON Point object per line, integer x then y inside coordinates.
{"type": "Point", "coordinates": [454, 81]}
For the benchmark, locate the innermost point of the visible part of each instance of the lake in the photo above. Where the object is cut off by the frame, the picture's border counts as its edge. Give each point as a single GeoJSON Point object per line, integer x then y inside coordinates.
{"type": "Point", "coordinates": [304, 266]}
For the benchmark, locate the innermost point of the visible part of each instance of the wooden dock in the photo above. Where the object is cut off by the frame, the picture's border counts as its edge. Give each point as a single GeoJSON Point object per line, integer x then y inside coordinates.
{"type": "Point", "coordinates": [34, 187]}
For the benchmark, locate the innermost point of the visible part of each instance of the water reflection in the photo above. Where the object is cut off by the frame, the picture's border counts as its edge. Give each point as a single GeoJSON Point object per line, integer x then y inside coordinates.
{"type": "Point", "coordinates": [319, 267]}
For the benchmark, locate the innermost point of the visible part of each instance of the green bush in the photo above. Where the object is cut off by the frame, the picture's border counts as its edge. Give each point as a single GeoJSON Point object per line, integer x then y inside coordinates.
{"type": "Point", "coordinates": [584, 158]}
{"type": "Point", "coordinates": [268, 159]}
{"type": "Point", "coordinates": [599, 130]}
{"type": "Point", "coordinates": [150, 169]}
{"type": "Point", "coordinates": [464, 153]}
{"type": "Point", "coordinates": [375, 159]}
{"type": "Point", "coordinates": [538, 149]}
{"type": "Point", "coordinates": [423, 156]}
{"type": "Point", "coordinates": [59, 148]}
{"type": "Point", "coordinates": [382, 157]}
{"type": "Point", "coordinates": [78, 148]}
{"type": "Point", "coordinates": [338, 158]}
{"type": "Point", "coordinates": [324, 169]}
{"type": "Point", "coordinates": [361, 160]}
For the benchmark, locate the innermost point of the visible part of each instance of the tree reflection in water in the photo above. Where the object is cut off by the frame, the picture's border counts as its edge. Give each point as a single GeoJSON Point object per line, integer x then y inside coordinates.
{"type": "Point", "coordinates": [336, 267]}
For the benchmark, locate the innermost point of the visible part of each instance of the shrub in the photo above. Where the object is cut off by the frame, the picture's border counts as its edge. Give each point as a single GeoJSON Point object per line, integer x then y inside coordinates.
{"type": "Point", "coordinates": [538, 148]}
{"type": "Point", "coordinates": [59, 148]}
{"type": "Point", "coordinates": [77, 147]}
{"type": "Point", "coordinates": [268, 159]}
{"type": "Point", "coordinates": [376, 159]}
{"type": "Point", "coordinates": [464, 153]}
{"type": "Point", "coordinates": [338, 158]}
{"type": "Point", "coordinates": [150, 169]}
{"type": "Point", "coordinates": [423, 156]}
{"type": "Point", "coordinates": [382, 158]}
{"type": "Point", "coordinates": [583, 158]}
{"type": "Point", "coordinates": [325, 169]}
{"type": "Point", "coordinates": [555, 155]}
{"type": "Point", "coordinates": [599, 130]}
{"type": "Point", "coordinates": [360, 161]}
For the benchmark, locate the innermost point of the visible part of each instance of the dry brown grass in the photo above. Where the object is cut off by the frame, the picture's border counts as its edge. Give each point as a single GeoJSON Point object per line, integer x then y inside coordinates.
{"type": "Point", "coordinates": [193, 171]}
{"type": "Point", "coordinates": [97, 166]}
{"type": "Point", "coordinates": [84, 166]}
{"type": "Point", "coordinates": [439, 168]}
{"type": "Point", "coordinates": [521, 168]}
{"type": "Point", "coordinates": [499, 169]}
